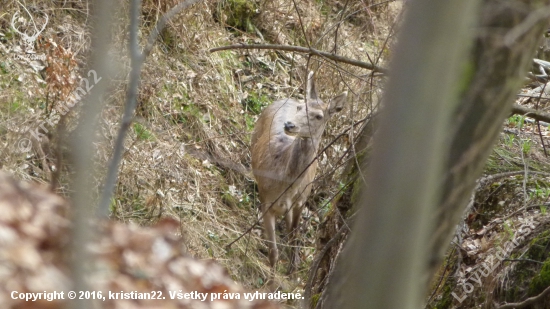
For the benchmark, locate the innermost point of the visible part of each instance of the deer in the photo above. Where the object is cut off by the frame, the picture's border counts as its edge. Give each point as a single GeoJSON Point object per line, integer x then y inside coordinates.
{"type": "Point", "coordinates": [284, 147]}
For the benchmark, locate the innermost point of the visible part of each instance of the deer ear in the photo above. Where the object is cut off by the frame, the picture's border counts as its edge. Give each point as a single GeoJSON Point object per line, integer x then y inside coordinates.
{"type": "Point", "coordinates": [337, 103]}
{"type": "Point", "coordinates": [311, 92]}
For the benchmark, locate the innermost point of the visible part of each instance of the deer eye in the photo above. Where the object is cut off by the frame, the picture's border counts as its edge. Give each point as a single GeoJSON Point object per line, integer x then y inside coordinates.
{"type": "Point", "coordinates": [319, 117]}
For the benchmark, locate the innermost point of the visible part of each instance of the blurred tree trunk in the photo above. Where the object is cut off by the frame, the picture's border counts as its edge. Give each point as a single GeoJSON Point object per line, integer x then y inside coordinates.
{"type": "Point", "coordinates": [507, 35]}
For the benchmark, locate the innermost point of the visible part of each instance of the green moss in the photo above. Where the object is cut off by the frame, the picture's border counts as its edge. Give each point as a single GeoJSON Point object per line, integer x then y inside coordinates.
{"type": "Point", "coordinates": [538, 247]}
{"type": "Point", "coordinates": [358, 185]}
{"type": "Point", "coordinates": [501, 158]}
{"type": "Point", "coordinates": [238, 14]}
{"type": "Point", "coordinates": [444, 294]}
{"type": "Point", "coordinates": [522, 276]}
{"type": "Point", "coordinates": [168, 38]}
{"type": "Point", "coordinates": [446, 299]}
{"type": "Point", "coordinates": [315, 299]}
{"type": "Point", "coordinates": [527, 282]}
{"type": "Point", "coordinates": [541, 281]}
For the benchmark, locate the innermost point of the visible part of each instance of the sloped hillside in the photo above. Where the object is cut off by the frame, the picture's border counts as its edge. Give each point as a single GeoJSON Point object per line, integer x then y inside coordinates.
{"type": "Point", "coordinates": [187, 155]}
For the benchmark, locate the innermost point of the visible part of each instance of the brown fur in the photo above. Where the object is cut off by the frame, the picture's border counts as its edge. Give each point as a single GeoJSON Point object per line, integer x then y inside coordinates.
{"type": "Point", "coordinates": [285, 142]}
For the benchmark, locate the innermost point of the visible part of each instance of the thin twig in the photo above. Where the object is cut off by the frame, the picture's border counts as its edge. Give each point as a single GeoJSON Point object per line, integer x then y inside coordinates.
{"type": "Point", "coordinates": [484, 180]}
{"type": "Point", "coordinates": [288, 188]}
{"type": "Point", "coordinates": [162, 23]}
{"type": "Point", "coordinates": [523, 260]}
{"type": "Point", "coordinates": [538, 122]}
{"type": "Point", "coordinates": [526, 24]}
{"type": "Point", "coordinates": [82, 155]}
{"type": "Point", "coordinates": [315, 265]}
{"type": "Point", "coordinates": [529, 112]}
{"type": "Point", "coordinates": [447, 264]}
{"type": "Point", "coordinates": [305, 50]}
{"type": "Point", "coordinates": [525, 177]}
{"type": "Point", "coordinates": [527, 302]}
{"type": "Point", "coordinates": [137, 59]}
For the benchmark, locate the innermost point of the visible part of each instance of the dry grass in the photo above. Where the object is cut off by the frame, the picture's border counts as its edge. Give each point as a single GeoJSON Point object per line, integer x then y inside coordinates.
{"type": "Point", "coordinates": [192, 99]}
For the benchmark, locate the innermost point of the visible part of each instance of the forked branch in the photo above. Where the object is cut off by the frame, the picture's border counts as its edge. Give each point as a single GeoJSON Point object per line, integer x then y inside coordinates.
{"type": "Point", "coordinates": [137, 58]}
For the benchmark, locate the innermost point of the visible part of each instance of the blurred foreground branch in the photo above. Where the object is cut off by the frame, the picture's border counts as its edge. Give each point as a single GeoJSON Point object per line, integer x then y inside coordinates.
{"type": "Point", "coordinates": [137, 59]}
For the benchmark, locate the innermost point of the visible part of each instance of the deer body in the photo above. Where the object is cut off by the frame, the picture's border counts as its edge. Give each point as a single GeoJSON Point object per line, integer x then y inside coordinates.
{"type": "Point", "coordinates": [285, 143]}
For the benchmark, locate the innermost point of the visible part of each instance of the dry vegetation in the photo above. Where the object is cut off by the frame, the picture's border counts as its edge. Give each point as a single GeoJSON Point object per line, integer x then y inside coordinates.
{"type": "Point", "coordinates": [187, 154]}
{"type": "Point", "coordinates": [34, 230]}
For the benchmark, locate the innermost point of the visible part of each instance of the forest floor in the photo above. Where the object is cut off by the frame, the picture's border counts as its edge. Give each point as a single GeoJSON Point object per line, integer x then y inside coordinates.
{"type": "Point", "coordinates": [187, 154]}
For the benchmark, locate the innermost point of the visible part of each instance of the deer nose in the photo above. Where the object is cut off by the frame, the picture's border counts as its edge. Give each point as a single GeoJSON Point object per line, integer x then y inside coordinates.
{"type": "Point", "coordinates": [289, 126]}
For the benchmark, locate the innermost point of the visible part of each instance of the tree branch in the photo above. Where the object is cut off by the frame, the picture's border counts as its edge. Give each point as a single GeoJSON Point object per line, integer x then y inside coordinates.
{"type": "Point", "coordinates": [81, 143]}
{"type": "Point", "coordinates": [305, 50]}
{"type": "Point", "coordinates": [137, 59]}
{"type": "Point", "coordinates": [527, 302]}
{"type": "Point", "coordinates": [162, 23]}
{"type": "Point", "coordinates": [136, 62]}
{"type": "Point", "coordinates": [529, 112]}
{"type": "Point", "coordinates": [312, 273]}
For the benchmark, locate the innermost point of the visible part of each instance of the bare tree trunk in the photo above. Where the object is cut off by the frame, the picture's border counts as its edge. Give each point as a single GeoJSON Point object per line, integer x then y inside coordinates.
{"type": "Point", "coordinates": [503, 51]}
{"type": "Point", "coordinates": [382, 252]}
{"type": "Point", "coordinates": [387, 250]}
{"type": "Point", "coordinates": [82, 143]}
{"type": "Point", "coordinates": [336, 227]}
{"type": "Point", "coordinates": [82, 147]}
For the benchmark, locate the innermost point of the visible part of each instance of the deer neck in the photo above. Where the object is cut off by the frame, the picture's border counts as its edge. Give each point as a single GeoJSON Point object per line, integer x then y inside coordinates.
{"type": "Point", "coordinates": [304, 151]}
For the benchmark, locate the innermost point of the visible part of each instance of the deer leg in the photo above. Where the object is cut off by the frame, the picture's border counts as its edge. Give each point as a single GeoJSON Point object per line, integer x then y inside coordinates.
{"type": "Point", "coordinates": [290, 234]}
{"type": "Point", "coordinates": [269, 228]}
{"type": "Point", "coordinates": [294, 217]}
